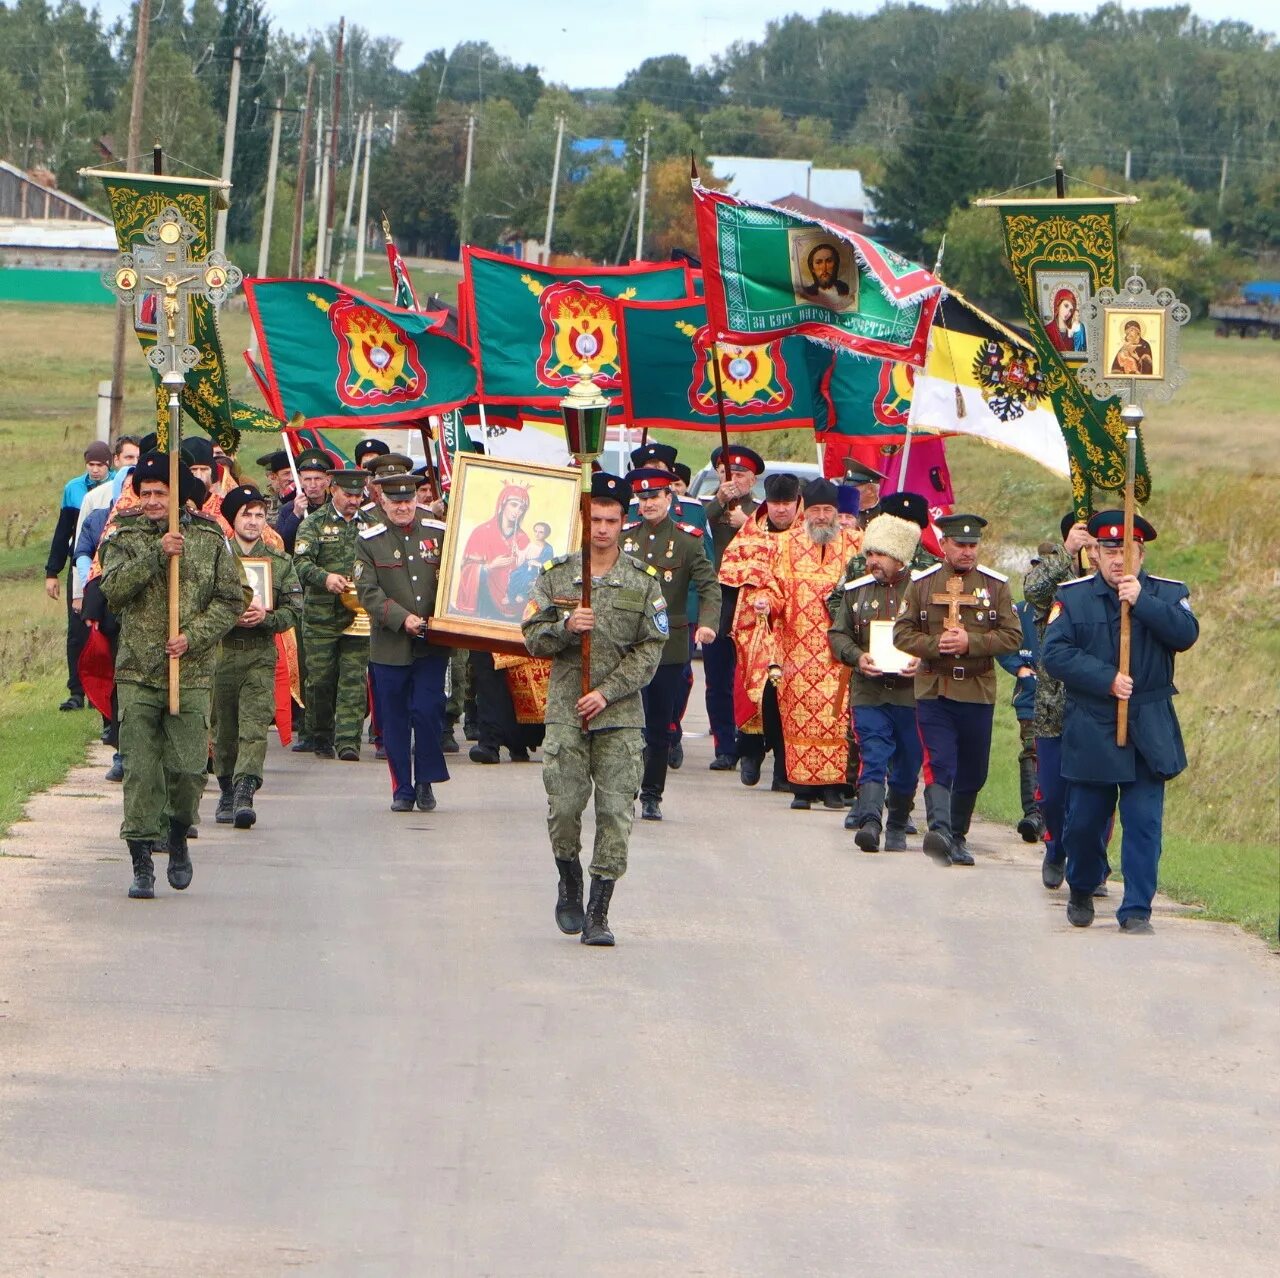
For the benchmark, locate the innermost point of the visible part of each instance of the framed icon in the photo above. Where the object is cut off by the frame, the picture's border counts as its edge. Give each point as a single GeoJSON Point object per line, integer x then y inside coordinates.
{"type": "Point", "coordinates": [257, 574]}
{"type": "Point", "coordinates": [823, 270]}
{"type": "Point", "coordinates": [506, 520]}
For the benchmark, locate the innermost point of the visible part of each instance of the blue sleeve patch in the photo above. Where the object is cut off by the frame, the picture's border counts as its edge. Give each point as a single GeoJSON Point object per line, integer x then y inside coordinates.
{"type": "Point", "coordinates": [661, 622]}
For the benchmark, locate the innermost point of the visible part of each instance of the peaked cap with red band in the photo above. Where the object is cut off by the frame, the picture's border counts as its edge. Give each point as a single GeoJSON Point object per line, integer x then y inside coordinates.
{"type": "Point", "coordinates": [649, 479]}
{"type": "Point", "coordinates": [739, 457]}
{"type": "Point", "coordinates": [1108, 527]}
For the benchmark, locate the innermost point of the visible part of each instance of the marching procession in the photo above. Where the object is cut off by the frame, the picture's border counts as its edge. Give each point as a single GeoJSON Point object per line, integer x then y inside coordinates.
{"type": "Point", "coordinates": [860, 649]}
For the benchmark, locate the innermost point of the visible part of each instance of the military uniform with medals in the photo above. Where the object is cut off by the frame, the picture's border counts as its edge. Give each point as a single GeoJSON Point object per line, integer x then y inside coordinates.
{"type": "Point", "coordinates": [337, 690]}
{"type": "Point", "coordinates": [395, 574]}
{"type": "Point", "coordinates": [676, 554]}
{"type": "Point", "coordinates": [956, 694]}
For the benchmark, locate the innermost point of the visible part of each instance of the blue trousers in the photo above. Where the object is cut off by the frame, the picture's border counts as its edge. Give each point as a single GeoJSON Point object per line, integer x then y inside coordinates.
{"type": "Point", "coordinates": [719, 660]}
{"type": "Point", "coordinates": [682, 699]}
{"type": "Point", "coordinates": [662, 700]}
{"type": "Point", "coordinates": [956, 736]}
{"type": "Point", "coordinates": [411, 703]}
{"type": "Point", "coordinates": [1053, 795]}
{"type": "Point", "coordinates": [889, 746]}
{"type": "Point", "coordinates": [1090, 812]}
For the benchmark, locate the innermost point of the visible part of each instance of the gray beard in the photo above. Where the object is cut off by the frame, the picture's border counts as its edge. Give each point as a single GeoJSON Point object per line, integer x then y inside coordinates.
{"type": "Point", "coordinates": [823, 534]}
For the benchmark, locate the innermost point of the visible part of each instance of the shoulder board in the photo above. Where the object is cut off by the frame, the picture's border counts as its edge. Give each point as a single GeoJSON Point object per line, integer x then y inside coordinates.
{"type": "Point", "coordinates": [373, 530]}
{"type": "Point", "coordinates": [925, 572]}
{"type": "Point", "coordinates": [860, 581]}
{"type": "Point", "coordinates": [692, 529]}
{"type": "Point", "coordinates": [431, 523]}
{"type": "Point", "coordinates": [1076, 581]}
{"type": "Point", "coordinates": [555, 563]}
{"type": "Point", "coordinates": [206, 523]}
{"type": "Point", "coordinates": [991, 572]}
{"type": "Point", "coordinates": [629, 524]}
{"type": "Point", "coordinates": [1168, 581]}
{"type": "Point", "coordinates": [369, 505]}
{"type": "Point", "coordinates": [648, 568]}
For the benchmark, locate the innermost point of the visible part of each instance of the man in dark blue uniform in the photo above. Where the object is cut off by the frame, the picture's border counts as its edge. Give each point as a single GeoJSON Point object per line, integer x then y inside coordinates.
{"type": "Point", "coordinates": [1081, 647]}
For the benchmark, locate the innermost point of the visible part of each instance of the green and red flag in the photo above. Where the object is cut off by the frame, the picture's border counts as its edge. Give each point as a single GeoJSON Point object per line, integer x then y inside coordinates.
{"type": "Point", "coordinates": [137, 199]}
{"type": "Point", "coordinates": [405, 297]}
{"type": "Point", "coordinates": [668, 377]}
{"type": "Point", "coordinates": [1061, 253]}
{"type": "Point", "coordinates": [768, 273]}
{"type": "Point", "coordinates": [342, 359]}
{"type": "Point", "coordinates": [533, 327]}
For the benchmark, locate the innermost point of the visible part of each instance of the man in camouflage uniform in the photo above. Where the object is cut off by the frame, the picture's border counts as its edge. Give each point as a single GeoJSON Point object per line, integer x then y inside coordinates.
{"type": "Point", "coordinates": [337, 663]}
{"type": "Point", "coordinates": [1057, 563]}
{"type": "Point", "coordinates": [595, 740]}
{"type": "Point", "coordinates": [395, 571]}
{"type": "Point", "coordinates": [166, 753]}
{"type": "Point", "coordinates": [676, 553]}
{"type": "Point", "coordinates": [244, 684]}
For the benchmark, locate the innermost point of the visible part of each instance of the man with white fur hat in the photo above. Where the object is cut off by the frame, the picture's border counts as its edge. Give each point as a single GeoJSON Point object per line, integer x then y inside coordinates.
{"type": "Point", "coordinates": [883, 701]}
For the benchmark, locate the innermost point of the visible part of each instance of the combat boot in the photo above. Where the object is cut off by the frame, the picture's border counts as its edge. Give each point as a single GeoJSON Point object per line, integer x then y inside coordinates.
{"type": "Point", "coordinates": [226, 808]}
{"type": "Point", "coordinates": [595, 930]}
{"type": "Point", "coordinates": [116, 771]}
{"type": "Point", "coordinates": [898, 815]}
{"type": "Point", "coordinates": [569, 915]}
{"type": "Point", "coordinates": [179, 873]}
{"type": "Point", "coordinates": [961, 814]}
{"type": "Point", "coordinates": [868, 816]}
{"type": "Point", "coordinates": [937, 838]}
{"type": "Point", "coordinates": [245, 816]}
{"type": "Point", "coordinates": [653, 783]}
{"type": "Point", "coordinates": [1031, 827]}
{"type": "Point", "coordinates": [143, 887]}
{"type": "Point", "coordinates": [1080, 908]}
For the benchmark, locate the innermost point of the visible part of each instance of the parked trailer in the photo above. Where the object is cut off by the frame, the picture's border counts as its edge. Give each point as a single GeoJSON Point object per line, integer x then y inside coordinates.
{"type": "Point", "coordinates": [1245, 319]}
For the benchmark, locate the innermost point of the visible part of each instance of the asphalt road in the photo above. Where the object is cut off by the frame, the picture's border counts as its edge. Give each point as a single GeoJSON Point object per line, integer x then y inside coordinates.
{"type": "Point", "coordinates": [359, 1046]}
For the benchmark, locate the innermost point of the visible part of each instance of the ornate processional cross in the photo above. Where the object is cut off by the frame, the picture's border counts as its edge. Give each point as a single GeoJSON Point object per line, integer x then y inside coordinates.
{"type": "Point", "coordinates": [953, 598]}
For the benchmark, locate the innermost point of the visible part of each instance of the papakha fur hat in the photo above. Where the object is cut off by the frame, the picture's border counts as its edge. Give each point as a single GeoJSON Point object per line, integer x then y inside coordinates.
{"type": "Point", "coordinates": [889, 535]}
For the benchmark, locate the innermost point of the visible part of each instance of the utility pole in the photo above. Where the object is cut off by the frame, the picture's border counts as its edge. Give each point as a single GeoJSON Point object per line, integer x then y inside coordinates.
{"type": "Point", "coordinates": [364, 193]}
{"type": "Point", "coordinates": [335, 116]}
{"type": "Point", "coordinates": [300, 190]}
{"type": "Point", "coordinates": [228, 148]}
{"type": "Point", "coordinates": [134, 146]}
{"type": "Point", "coordinates": [644, 196]}
{"type": "Point", "coordinates": [1128, 164]}
{"type": "Point", "coordinates": [555, 185]}
{"type": "Point", "coordinates": [320, 207]}
{"type": "Point", "coordinates": [395, 124]}
{"type": "Point", "coordinates": [269, 207]}
{"type": "Point", "coordinates": [464, 231]}
{"type": "Point", "coordinates": [1222, 185]}
{"type": "Point", "coordinates": [351, 198]}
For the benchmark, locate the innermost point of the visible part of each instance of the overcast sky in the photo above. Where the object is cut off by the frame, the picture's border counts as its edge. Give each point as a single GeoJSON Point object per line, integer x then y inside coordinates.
{"type": "Point", "coordinates": [595, 45]}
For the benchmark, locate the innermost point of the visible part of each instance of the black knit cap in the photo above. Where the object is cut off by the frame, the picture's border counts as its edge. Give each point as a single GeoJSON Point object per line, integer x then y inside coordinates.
{"type": "Point", "coordinates": [237, 499]}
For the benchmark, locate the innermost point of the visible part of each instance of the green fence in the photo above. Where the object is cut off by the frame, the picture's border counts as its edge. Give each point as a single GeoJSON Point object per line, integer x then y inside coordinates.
{"type": "Point", "coordinates": [27, 284]}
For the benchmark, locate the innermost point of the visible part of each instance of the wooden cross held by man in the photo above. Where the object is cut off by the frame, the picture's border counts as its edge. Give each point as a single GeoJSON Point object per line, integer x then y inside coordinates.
{"type": "Point", "coordinates": [164, 269]}
{"type": "Point", "coordinates": [953, 598]}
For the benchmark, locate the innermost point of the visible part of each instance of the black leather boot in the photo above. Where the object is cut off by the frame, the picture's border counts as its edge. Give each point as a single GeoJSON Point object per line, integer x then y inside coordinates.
{"type": "Point", "coordinates": [653, 783]}
{"type": "Point", "coordinates": [143, 887]}
{"type": "Point", "coordinates": [245, 816]}
{"type": "Point", "coordinates": [868, 816]}
{"type": "Point", "coordinates": [962, 802]}
{"type": "Point", "coordinates": [179, 872]}
{"type": "Point", "coordinates": [569, 915]}
{"type": "Point", "coordinates": [595, 930]}
{"type": "Point", "coordinates": [898, 814]}
{"type": "Point", "coordinates": [937, 838]}
{"type": "Point", "coordinates": [1031, 827]}
{"type": "Point", "coordinates": [1080, 908]}
{"type": "Point", "coordinates": [226, 802]}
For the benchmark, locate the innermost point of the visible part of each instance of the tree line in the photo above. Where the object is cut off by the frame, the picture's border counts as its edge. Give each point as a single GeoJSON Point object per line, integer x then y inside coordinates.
{"type": "Point", "coordinates": [934, 105]}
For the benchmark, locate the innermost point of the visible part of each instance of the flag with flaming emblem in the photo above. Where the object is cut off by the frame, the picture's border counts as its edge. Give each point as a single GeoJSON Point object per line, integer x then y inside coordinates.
{"type": "Point", "coordinates": [533, 327]}
{"type": "Point", "coordinates": [342, 359]}
{"type": "Point", "coordinates": [669, 381]}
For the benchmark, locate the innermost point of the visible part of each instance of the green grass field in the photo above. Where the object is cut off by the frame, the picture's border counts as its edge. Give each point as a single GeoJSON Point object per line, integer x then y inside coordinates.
{"type": "Point", "coordinates": [1214, 463]}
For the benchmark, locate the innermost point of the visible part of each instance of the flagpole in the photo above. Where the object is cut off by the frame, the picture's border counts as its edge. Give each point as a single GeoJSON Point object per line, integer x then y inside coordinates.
{"type": "Point", "coordinates": [293, 469]}
{"type": "Point", "coordinates": [1131, 415]}
{"type": "Point", "coordinates": [724, 430]}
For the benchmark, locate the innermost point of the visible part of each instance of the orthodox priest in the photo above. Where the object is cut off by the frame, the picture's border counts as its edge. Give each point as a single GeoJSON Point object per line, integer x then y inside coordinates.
{"type": "Point", "coordinates": [808, 563]}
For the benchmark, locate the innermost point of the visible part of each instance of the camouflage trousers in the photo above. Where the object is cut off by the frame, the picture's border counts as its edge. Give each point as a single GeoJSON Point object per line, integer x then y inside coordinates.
{"type": "Point", "coordinates": [573, 762]}
{"type": "Point", "coordinates": [459, 684]}
{"type": "Point", "coordinates": [337, 686]}
{"type": "Point", "coordinates": [166, 757]}
{"type": "Point", "coordinates": [244, 705]}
